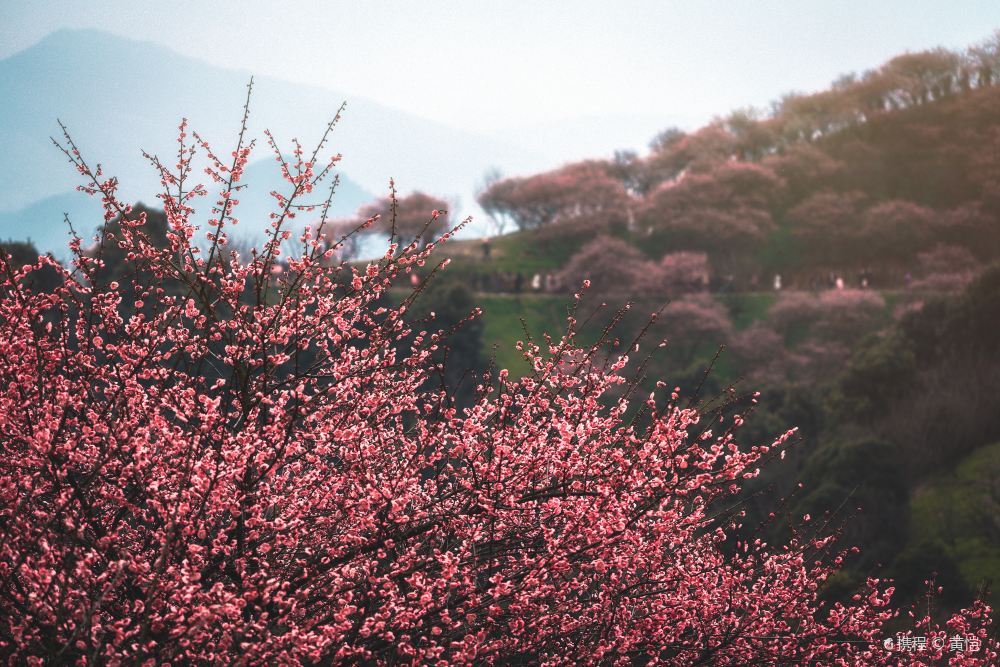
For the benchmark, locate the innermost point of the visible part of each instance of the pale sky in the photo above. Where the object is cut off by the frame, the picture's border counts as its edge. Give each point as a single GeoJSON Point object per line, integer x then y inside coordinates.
{"type": "Point", "coordinates": [491, 66]}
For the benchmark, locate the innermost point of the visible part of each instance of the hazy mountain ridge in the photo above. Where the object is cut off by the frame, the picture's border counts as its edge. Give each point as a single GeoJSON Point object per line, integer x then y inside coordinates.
{"type": "Point", "coordinates": [118, 96]}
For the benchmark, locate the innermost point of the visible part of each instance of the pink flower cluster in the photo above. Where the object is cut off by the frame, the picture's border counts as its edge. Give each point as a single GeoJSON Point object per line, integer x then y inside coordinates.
{"type": "Point", "coordinates": [248, 468]}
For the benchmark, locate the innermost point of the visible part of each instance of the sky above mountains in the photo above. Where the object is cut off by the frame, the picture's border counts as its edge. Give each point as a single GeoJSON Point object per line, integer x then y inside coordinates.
{"type": "Point", "coordinates": [518, 66]}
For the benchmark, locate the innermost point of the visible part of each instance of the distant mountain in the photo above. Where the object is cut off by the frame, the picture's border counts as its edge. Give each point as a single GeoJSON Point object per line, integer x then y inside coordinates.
{"type": "Point", "coordinates": [119, 96]}
{"type": "Point", "coordinates": [255, 200]}
{"type": "Point", "coordinates": [43, 222]}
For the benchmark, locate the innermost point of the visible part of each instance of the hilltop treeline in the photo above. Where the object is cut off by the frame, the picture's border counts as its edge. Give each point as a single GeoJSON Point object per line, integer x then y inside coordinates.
{"type": "Point", "coordinates": [868, 174]}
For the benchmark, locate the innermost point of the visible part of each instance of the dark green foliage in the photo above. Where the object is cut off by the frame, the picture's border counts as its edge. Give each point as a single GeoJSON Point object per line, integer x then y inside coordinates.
{"type": "Point", "coordinates": [960, 513]}
{"type": "Point", "coordinates": [881, 370]}
{"type": "Point", "coordinates": [930, 384]}
{"type": "Point", "coordinates": [973, 319]}
{"type": "Point", "coordinates": [452, 303]}
{"type": "Point", "coordinates": [860, 483]}
{"type": "Point", "coordinates": [22, 253]}
{"type": "Point", "coordinates": [927, 561]}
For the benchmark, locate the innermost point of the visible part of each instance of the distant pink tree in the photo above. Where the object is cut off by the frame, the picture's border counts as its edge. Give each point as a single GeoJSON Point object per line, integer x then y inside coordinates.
{"type": "Point", "coordinates": [828, 224]}
{"type": "Point", "coordinates": [676, 152]}
{"type": "Point", "coordinates": [945, 269]}
{"type": "Point", "coordinates": [895, 229]}
{"type": "Point", "coordinates": [843, 315]}
{"type": "Point", "coordinates": [760, 352]}
{"type": "Point", "coordinates": [973, 226]}
{"type": "Point", "coordinates": [727, 210]}
{"type": "Point", "coordinates": [498, 197]}
{"type": "Point", "coordinates": [582, 227]}
{"type": "Point", "coordinates": [807, 337]}
{"type": "Point", "coordinates": [754, 133]}
{"type": "Point", "coordinates": [580, 190]}
{"type": "Point", "coordinates": [806, 117]}
{"type": "Point", "coordinates": [805, 168]}
{"type": "Point", "coordinates": [679, 273]}
{"type": "Point", "coordinates": [611, 265]}
{"type": "Point", "coordinates": [923, 76]}
{"type": "Point", "coordinates": [415, 216]}
{"type": "Point", "coordinates": [816, 360]}
{"type": "Point", "coordinates": [946, 259]}
{"type": "Point", "coordinates": [694, 323]}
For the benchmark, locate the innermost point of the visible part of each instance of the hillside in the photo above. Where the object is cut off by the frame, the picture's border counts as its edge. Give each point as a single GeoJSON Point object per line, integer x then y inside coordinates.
{"type": "Point", "coordinates": [883, 174]}
{"type": "Point", "coordinates": [839, 249]}
{"type": "Point", "coordinates": [915, 183]}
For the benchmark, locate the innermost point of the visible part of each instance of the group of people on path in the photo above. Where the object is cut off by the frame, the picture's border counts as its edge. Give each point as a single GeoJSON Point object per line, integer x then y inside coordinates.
{"type": "Point", "coordinates": [515, 282]}
{"type": "Point", "coordinates": [832, 280]}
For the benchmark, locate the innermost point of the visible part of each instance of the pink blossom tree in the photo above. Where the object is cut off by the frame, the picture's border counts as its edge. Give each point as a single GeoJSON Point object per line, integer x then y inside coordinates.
{"type": "Point", "coordinates": [804, 168]}
{"type": "Point", "coordinates": [696, 323]}
{"type": "Point", "coordinates": [583, 190]}
{"type": "Point", "coordinates": [760, 351]}
{"type": "Point", "coordinates": [945, 268]}
{"type": "Point", "coordinates": [972, 226]}
{"type": "Point", "coordinates": [251, 471]}
{"type": "Point", "coordinates": [896, 229]}
{"type": "Point", "coordinates": [681, 272]}
{"type": "Point", "coordinates": [416, 216]}
{"type": "Point", "coordinates": [726, 211]}
{"type": "Point", "coordinates": [611, 265]}
{"type": "Point", "coordinates": [843, 315]}
{"type": "Point", "coordinates": [675, 152]}
{"type": "Point", "coordinates": [342, 237]}
{"type": "Point", "coordinates": [827, 225]}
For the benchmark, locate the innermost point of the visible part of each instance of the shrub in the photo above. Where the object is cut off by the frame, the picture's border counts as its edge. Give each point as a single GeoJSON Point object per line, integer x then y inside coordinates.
{"type": "Point", "coordinates": [682, 272]}
{"type": "Point", "coordinates": [611, 265]}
